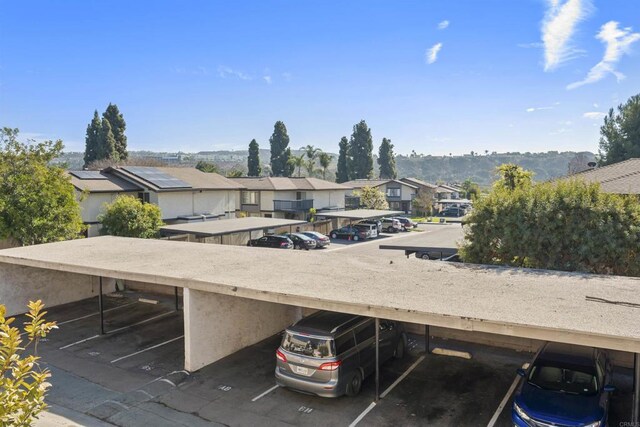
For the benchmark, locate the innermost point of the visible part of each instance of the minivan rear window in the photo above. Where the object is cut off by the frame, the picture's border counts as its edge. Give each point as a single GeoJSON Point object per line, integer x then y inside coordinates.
{"type": "Point", "coordinates": [307, 346]}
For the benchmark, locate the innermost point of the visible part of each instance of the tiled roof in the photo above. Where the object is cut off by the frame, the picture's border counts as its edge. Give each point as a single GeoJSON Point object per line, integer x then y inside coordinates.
{"type": "Point", "coordinates": [274, 183]}
{"type": "Point", "coordinates": [361, 183]}
{"type": "Point", "coordinates": [619, 178]}
{"type": "Point", "coordinates": [418, 182]}
{"type": "Point", "coordinates": [197, 179]}
{"type": "Point", "coordinates": [109, 184]}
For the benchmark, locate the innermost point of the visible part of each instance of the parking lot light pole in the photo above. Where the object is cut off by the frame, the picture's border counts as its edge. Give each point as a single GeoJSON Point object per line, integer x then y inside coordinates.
{"type": "Point", "coordinates": [377, 359]}
{"type": "Point", "coordinates": [635, 411]}
{"type": "Point", "coordinates": [101, 307]}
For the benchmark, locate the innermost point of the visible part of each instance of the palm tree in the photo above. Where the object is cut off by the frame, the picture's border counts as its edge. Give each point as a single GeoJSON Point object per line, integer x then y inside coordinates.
{"type": "Point", "coordinates": [312, 153]}
{"type": "Point", "coordinates": [325, 161]}
{"type": "Point", "coordinates": [310, 166]}
{"type": "Point", "coordinates": [297, 162]}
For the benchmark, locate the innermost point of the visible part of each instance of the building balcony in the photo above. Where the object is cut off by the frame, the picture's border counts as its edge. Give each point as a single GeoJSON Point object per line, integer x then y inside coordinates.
{"type": "Point", "coordinates": [292, 205]}
{"type": "Point", "coordinates": [351, 202]}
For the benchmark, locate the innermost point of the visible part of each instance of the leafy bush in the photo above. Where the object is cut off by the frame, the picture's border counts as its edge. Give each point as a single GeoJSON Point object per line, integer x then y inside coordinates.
{"type": "Point", "coordinates": [23, 384]}
{"type": "Point", "coordinates": [566, 225]}
{"type": "Point", "coordinates": [372, 198]}
{"type": "Point", "coordinates": [128, 216]}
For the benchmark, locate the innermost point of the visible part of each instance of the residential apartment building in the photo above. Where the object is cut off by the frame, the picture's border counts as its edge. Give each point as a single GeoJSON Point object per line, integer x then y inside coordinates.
{"type": "Point", "coordinates": [183, 194]}
{"type": "Point", "coordinates": [291, 198]}
{"type": "Point", "coordinates": [399, 194]}
{"type": "Point", "coordinates": [618, 178]}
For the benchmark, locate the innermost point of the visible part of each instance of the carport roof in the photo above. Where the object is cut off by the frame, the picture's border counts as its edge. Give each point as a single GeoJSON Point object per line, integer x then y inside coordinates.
{"type": "Point", "coordinates": [359, 213]}
{"type": "Point", "coordinates": [591, 310]}
{"type": "Point", "coordinates": [228, 226]}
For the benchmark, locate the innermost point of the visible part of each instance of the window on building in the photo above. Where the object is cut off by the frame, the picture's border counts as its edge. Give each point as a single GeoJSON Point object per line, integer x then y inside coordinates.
{"type": "Point", "coordinates": [144, 197]}
{"type": "Point", "coordinates": [249, 197]}
{"type": "Point", "coordinates": [393, 192]}
{"type": "Point", "coordinates": [301, 195]}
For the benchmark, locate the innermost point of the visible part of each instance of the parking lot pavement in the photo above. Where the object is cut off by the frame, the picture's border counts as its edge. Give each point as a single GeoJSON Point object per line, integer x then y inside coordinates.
{"type": "Point", "coordinates": [133, 376]}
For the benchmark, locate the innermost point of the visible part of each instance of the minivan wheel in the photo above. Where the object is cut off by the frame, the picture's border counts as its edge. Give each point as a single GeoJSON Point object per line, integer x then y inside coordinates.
{"type": "Point", "coordinates": [356, 238]}
{"type": "Point", "coordinates": [355, 384]}
{"type": "Point", "coordinates": [334, 236]}
{"type": "Point", "coordinates": [399, 353]}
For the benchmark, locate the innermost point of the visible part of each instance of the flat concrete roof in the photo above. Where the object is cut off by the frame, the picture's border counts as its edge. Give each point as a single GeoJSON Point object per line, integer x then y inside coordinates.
{"type": "Point", "coordinates": [582, 309]}
{"type": "Point", "coordinates": [359, 214]}
{"type": "Point", "coordinates": [227, 226]}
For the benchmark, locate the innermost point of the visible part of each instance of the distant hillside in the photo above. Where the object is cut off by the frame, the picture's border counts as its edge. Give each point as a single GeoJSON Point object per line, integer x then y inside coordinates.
{"type": "Point", "coordinates": [480, 168]}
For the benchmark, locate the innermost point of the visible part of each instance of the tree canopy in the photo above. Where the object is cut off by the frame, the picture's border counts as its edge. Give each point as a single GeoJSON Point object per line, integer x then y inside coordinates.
{"type": "Point", "coordinates": [565, 225]}
{"type": "Point", "coordinates": [620, 133]}
{"type": "Point", "coordinates": [387, 160]}
{"type": "Point", "coordinates": [280, 151]}
{"type": "Point", "coordinates": [512, 176]}
{"type": "Point", "coordinates": [118, 126]}
{"type": "Point", "coordinates": [37, 201]}
{"type": "Point", "coordinates": [342, 174]}
{"type": "Point", "coordinates": [325, 161]}
{"type": "Point", "coordinates": [372, 198]}
{"type": "Point", "coordinates": [207, 167]}
{"type": "Point", "coordinates": [253, 161]}
{"type": "Point", "coordinates": [360, 154]}
{"type": "Point", "coordinates": [23, 382]}
{"type": "Point", "coordinates": [92, 140]}
{"type": "Point", "coordinates": [128, 216]}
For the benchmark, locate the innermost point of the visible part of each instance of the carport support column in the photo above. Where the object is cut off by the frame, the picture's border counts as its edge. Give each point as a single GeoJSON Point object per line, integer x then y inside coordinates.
{"type": "Point", "coordinates": [427, 339]}
{"type": "Point", "coordinates": [101, 307]}
{"type": "Point", "coordinates": [377, 359]}
{"type": "Point", "coordinates": [176, 293]}
{"type": "Point", "coordinates": [635, 411]}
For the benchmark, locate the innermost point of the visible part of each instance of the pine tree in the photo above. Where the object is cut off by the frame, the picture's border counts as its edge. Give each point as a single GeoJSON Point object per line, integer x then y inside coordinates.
{"type": "Point", "coordinates": [280, 151]}
{"type": "Point", "coordinates": [118, 126]}
{"type": "Point", "coordinates": [92, 140]}
{"type": "Point", "coordinates": [360, 152]}
{"type": "Point", "coordinates": [106, 143]}
{"type": "Point", "coordinates": [342, 174]}
{"type": "Point", "coordinates": [253, 161]}
{"type": "Point", "coordinates": [387, 160]}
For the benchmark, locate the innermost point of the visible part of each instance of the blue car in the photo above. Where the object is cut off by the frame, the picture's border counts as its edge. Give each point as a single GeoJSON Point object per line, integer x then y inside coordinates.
{"type": "Point", "coordinates": [566, 385]}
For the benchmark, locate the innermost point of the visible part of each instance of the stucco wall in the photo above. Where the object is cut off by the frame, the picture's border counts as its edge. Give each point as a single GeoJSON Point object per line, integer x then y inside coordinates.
{"type": "Point", "coordinates": [218, 325]}
{"type": "Point", "coordinates": [327, 198]}
{"type": "Point", "coordinates": [19, 285]}
{"type": "Point", "coordinates": [91, 205]}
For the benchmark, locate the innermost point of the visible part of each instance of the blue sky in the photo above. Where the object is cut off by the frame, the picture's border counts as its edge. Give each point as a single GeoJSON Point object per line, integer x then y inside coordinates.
{"type": "Point", "coordinates": [510, 75]}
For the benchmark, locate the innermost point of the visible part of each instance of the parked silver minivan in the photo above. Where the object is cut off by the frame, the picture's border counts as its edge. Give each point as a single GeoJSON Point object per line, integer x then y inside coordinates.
{"type": "Point", "coordinates": [329, 354]}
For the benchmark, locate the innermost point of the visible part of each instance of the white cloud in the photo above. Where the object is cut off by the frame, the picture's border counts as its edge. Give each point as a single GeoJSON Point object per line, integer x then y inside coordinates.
{"type": "Point", "coordinates": [443, 25]}
{"type": "Point", "coordinates": [595, 105]}
{"type": "Point", "coordinates": [267, 79]}
{"type": "Point", "coordinates": [558, 26]}
{"type": "Point", "coordinates": [618, 42]}
{"type": "Point", "coordinates": [594, 115]}
{"type": "Point", "coordinates": [287, 76]}
{"type": "Point", "coordinates": [432, 53]}
{"type": "Point", "coordinates": [225, 72]}
{"type": "Point", "coordinates": [532, 109]}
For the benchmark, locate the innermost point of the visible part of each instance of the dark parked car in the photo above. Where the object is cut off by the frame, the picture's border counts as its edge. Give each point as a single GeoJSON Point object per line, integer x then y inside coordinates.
{"type": "Point", "coordinates": [348, 232]}
{"type": "Point", "coordinates": [321, 240]}
{"type": "Point", "coordinates": [453, 212]}
{"type": "Point", "coordinates": [300, 241]}
{"type": "Point", "coordinates": [375, 222]}
{"type": "Point", "coordinates": [282, 242]}
{"type": "Point", "coordinates": [329, 354]}
{"type": "Point", "coordinates": [566, 385]}
{"type": "Point", "coordinates": [406, 223]}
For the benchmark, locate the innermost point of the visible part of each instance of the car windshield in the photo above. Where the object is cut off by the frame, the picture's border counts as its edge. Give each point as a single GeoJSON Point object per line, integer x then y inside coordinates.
{"type": "Point", "coordinates": [312, 234]}
{"type": "Point", "coordinates": [306, 345]}
{"type": "Point", "coordinates": [566, 379]}
{"type": "Point", "coordinates": [302, 236]}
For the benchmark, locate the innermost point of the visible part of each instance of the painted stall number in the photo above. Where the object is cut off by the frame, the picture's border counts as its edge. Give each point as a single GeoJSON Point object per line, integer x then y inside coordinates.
{"type": "Point", "coordinates": [224, 387]}
{"type": "Point", "coordinates": [305, 410]}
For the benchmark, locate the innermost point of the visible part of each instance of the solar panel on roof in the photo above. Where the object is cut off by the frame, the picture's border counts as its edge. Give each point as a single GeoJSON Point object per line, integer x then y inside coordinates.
{"type": "Point", "coordinates": [87, 174]}
{"type": "Point", "coordinates": [156, 177]}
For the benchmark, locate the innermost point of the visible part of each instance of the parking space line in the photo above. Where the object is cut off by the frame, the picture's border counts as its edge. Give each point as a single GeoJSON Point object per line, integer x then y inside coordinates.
{"type": "Point", "coordinates": [261, 395]}
{"type": "Point", "coordinates": [79, 342]}
{"type": "Point", "coordinates": [363, 414]}
{"type": "Point", "coordinates": [116, 330]}
{"type": "Point", "coordinates": [94, 314]}
{"type": "Point", "coordinates": [403, 376]}
{"type": "Point", "coordinates": [147, 349]}
{"type": "Point", "coordinates": [504, 402]}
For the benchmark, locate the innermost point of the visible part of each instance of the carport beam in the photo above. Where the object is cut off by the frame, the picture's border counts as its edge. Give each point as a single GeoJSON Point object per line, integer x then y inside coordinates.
{"type": "Point", "coordinates": [101, 307]}
{"type": "Point", "coordinates": [377, 359]}
{"type": "Point", "coordinates": [427, 339]}
{"type": "Point", "coordinates": [635, 412]}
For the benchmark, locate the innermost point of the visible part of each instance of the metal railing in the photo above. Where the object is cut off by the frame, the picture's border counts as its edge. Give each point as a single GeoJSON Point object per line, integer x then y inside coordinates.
{"type": "Point", "coordinates": [292, 205]}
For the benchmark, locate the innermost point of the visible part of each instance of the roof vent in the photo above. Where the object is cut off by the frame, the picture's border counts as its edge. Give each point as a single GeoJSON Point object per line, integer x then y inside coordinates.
{"type": "Point", "coordinates": [592, 164]}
